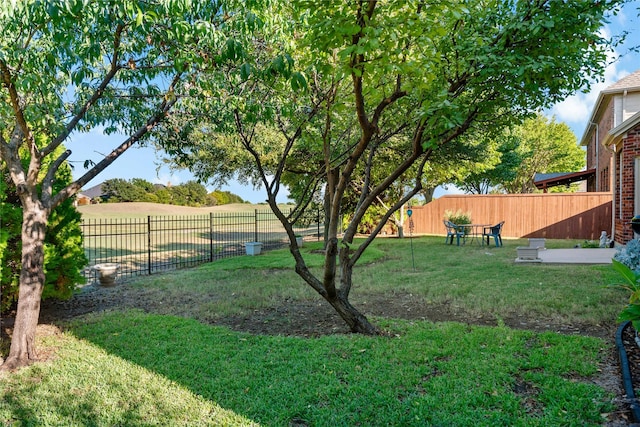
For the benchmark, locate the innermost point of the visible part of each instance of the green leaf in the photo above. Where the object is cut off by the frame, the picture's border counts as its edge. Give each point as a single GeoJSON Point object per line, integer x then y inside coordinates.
{"type": "Point", "coordinates": [629, 276]}
{"type": "Point", "coordinates": [245, 71]}
{"type": "Point", "coordinates": [630, 312]}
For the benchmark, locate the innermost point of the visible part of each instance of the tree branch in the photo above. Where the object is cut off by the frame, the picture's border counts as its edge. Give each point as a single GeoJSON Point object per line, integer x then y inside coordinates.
{"type": "Point", "coordinates": [416, 189]}
{"type": "Point", "coordinates": [47, 182]}
{"type": "Point", "coordinates": [168, 102]}
{"type": "Point", "coordinates": [14, 99]}
{"type": "Point", "coordinates": [113, 70]}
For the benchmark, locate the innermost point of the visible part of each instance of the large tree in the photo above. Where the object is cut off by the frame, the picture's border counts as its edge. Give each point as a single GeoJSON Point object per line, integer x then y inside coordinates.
{"type": "Point", "coordinates": [405, 76]}
{"type": "Point", "coordinates": [538, 145]}
{"type": "Point", "coordinates": [544, 146]}
{"type": "Point", "coordinates": [71, 66]}
{"type": "Point", "coordinates": [499, 166]}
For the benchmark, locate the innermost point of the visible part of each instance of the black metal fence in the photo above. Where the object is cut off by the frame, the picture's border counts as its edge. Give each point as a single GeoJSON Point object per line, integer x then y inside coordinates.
{"type": "Point", "coordinates": [153, 244]}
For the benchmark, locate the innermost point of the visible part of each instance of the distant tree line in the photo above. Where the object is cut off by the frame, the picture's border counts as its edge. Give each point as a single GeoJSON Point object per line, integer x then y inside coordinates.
{"type": "Point", "coordinates": [191, 193]}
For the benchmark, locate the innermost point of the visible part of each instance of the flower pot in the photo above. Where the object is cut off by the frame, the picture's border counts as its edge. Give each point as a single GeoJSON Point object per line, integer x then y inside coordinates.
{"type": "Point", "coordinates": [107, 273]}
{"type": "Point", "coordinates": [527, 253]}
{"type": "Point", "coordinates": [253, 248]}
{"type": "Point", "coordinates": [537, 242]}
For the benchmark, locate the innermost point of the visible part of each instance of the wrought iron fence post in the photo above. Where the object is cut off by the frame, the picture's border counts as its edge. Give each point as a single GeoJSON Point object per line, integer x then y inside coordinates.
{"type": "Point", "coordinates": [149, 244]}
{"type": "Point", "coordinates": [255, 234]}
{"type": "Point", "coordinates": [210, 236]}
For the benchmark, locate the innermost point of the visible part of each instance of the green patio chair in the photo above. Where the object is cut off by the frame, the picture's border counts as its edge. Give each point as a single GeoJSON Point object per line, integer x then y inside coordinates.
{"type": "Point", "coordinates": [495, 232]}
{"type": "Point", "coordinates": [453, 231]}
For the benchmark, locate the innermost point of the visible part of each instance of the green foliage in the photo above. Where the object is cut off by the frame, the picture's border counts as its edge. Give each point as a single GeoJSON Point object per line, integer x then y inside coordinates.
{"type": "Point", "coordinates": [64, 252]}
{"type": "Point", "coordinates": [10, 246]}
{"type": "Point", "coordinates": [370, 219]}
{"type": "Point", "coordinates": [590, 244]}
{"type": "Point", "coordinates": [71, 67]}
{"type": "Point", "coordinates": [120, 190]}
{"type": "Point", "coordinates": [458, 217]}
{"type": "Point", "coordinates": [538, 145]}
{"type": "Point", "coordinates": [544, 146]}
{"type": "Point", "coordinates": [629, 255]}
{"type": "Point", "coordinates": [499, 165]}
{"type": "Point", "coordinates": [451, 79]}
{"type": "Point", "coordinates": [221, 197]}
{"type": "Point", "coordinates": [190, 193]}
{"type": "Point", "coordinates": [631, 284]}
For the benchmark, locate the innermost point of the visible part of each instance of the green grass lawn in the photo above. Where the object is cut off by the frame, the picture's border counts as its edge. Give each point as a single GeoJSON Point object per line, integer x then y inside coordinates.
{"type": "Point", "coordinates": [133, 368]}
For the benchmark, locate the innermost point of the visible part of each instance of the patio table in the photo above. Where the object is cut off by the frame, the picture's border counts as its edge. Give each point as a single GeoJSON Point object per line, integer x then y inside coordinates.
{"type": "Point", "coordinates": [474, 231]}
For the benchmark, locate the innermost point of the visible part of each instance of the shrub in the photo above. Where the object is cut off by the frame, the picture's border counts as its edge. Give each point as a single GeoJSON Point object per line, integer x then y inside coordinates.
{"type": "Point", "coordinates": [64, 253]}
{"type": "Point", "coordinates": [626, 261]}
{"type": "Point", "coordinates": [629, 255]}
{"type": "Point", "coordinates": [369, 221]}
{"type": "Point", "coordinates": [590, 244]}
{"type": "Point", "coordinates": [458, 217]}
{"type": "Point", "coordinates": [631, 278]}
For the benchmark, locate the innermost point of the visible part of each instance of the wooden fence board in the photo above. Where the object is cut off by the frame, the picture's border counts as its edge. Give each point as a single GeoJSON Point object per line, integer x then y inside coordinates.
{"type": "Point", "coordinates": [551, 215]}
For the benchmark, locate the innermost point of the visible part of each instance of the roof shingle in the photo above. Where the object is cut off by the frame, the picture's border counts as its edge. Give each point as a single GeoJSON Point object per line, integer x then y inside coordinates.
{"type": "Point", "coordinates": [632, 81]}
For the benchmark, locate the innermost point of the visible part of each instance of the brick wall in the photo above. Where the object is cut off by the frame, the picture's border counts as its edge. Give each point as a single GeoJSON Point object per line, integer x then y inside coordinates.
{"type": "Point", "coordinates": [625, 194]}
{"type": "Point", "coordinates": [600, 158]}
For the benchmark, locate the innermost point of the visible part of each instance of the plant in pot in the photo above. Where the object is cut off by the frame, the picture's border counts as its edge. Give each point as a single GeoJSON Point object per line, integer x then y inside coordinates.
{"type": "Point", "coordinates": [626, 262]}
{"type": "Point", "coordinates": [459, 218]}
{"type": "Point", "coordinates": [630, 283]}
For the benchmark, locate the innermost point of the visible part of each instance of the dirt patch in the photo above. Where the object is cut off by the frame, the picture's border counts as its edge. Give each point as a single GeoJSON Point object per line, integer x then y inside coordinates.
{"type": "Point", "coordinates": [299, 318]}
{"type": "Point", "coordinates": [315, 318]}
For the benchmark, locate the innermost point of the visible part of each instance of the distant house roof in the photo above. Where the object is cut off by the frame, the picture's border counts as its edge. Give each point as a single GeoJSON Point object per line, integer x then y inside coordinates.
{"type": "Point", "coordinates": [628, 83]}
{"type": "Point", "coordinates": [93, 192]}
{"type": "Point", "coordinates": [543, 181]}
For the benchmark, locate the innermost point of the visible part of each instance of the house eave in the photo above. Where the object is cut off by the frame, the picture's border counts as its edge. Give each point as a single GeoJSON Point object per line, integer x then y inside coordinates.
{"type": "Point", "coordinates": [603, 96]}
{"type": "Point", "coordinates": [584, 141]}
{"type": "Point", "coordinates": [615, 135]}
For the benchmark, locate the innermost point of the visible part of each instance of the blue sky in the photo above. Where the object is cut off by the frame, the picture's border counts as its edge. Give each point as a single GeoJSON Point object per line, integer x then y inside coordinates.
{"type": "Point", "coordinates": [139, 162]}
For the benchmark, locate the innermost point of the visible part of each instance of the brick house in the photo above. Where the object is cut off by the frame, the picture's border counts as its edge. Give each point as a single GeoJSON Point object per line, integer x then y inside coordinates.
{"type": "Point", "coordinates": [612, 138]}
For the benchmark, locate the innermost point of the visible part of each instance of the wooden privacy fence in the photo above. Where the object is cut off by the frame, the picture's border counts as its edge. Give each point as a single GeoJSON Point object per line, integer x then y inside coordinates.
{"type": "Point", "coordinates": [551, 215]}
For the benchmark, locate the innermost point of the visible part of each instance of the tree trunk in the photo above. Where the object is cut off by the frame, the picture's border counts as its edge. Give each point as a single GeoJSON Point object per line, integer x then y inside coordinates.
{"type": "Point", "coordinates": [22, 351]}
{"type": "Point", "coordinates": [357, 321]}
{"type": "Point", "coordinates": [428, 192]}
